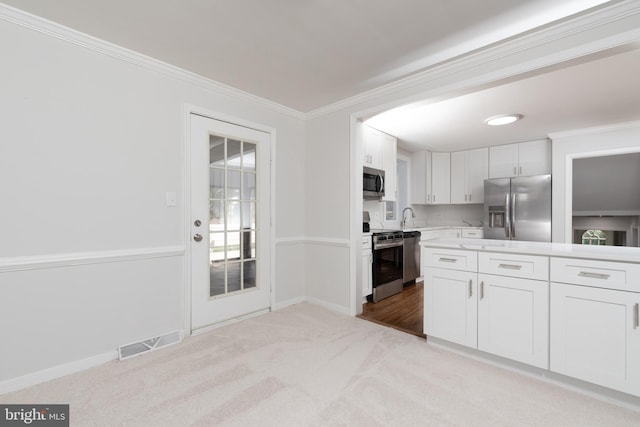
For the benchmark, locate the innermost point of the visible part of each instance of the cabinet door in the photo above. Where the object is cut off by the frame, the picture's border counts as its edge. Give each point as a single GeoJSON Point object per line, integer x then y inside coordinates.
{"type": "Point", "coordinates": [459, 192]}
{"type": "Point", "coordinates": [441, 178]}
{"type": "Point", "coordinates": [595, 336]}
{"type": "Point", "coordinates": [513, 318]}
{"type": "Point", "coordinates": [534, 158]}
{"type": "Point", "coordinates": [477, 170]}
{"type": "Point", "coordinates": [503, 161]}
{"type": "Point", "coordinates": [367, 284]}
{"type": "Point", "coordinates": [420, 178]}
{"type": "Point", "coordinates": [451, 305]}
{"type": "Point", "coordinates": [372, 147]}
{"type": "Point", "coordinates": [389, 164]}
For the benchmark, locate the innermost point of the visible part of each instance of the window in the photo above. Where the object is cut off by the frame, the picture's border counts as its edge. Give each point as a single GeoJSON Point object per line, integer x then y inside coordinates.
{"type": "Point", "coordinates": [594, 237]}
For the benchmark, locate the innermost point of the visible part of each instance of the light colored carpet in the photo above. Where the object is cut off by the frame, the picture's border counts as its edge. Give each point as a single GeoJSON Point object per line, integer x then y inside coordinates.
{"type": "Point", "coordinates": [306, 366]}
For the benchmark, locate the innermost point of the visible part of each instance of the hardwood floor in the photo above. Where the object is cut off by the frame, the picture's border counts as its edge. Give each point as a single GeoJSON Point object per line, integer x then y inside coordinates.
{"type": "Point", "coordinates": [403, 311]}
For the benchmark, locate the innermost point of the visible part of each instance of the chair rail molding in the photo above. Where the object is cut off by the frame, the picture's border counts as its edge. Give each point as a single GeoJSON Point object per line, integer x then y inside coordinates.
{"type": "Point", "coordinates": [36, 262]}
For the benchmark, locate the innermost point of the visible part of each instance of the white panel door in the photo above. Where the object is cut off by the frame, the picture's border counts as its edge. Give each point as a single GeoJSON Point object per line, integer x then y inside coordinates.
{"type": "Point", "coordinates": [534, 158]}
{"type": "Point", "coordinates": [513, 318]}
{"type": "Point", "coordinates": [441, 178]}
{"type": "Point", "coordinates": [595, 336]}
{"type": "Point", "coordinates": [230, 221]}
{"type": "Point", "coordinates": [459, 194]}
{"type": "Point", "coordinates": [503, 161]}
{"type": "Point", "coordinates": [451, 305]}
{"type": "Point", "coordinates": [477, 170]}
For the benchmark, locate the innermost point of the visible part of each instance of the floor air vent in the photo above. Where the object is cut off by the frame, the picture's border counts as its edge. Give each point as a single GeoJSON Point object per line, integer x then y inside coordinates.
{"type": "Point", "coordinates": [150, 344]}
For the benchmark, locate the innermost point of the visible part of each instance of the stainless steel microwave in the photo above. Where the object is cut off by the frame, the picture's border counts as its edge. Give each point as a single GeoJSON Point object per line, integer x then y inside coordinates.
{"type": "Point", "coordinates": [372, 183]}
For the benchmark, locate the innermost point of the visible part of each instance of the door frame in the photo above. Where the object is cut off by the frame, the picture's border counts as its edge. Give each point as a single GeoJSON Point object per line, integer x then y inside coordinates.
{"type": "Point", "coordinates": [187, 110]}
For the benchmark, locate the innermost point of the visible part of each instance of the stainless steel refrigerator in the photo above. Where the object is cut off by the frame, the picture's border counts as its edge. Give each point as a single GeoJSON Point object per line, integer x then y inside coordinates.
{"type": "Point", "coordinates": [518, 208]}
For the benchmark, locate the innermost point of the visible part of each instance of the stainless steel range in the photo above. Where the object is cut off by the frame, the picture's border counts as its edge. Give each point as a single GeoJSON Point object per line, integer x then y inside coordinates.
{"type": "Point", "coordinates": [387, 263]}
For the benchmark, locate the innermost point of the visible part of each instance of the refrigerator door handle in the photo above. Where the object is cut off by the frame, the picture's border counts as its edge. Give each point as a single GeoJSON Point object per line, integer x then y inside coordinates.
{"type": "Point", "coordinates": [513, 216]}
{"type": "Point", "coordinates": [507, 216]}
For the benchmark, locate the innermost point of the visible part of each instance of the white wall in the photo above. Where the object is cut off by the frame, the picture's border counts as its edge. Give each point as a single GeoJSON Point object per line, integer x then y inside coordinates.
{"type": "Point", "coordinates": [566, 146]}
{"type": "Point", "coordinates": [91, 257]}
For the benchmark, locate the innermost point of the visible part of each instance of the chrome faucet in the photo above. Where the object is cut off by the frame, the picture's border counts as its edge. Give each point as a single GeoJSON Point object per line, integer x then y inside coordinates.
{"type": "Point", "coordinates": [467, 222]}
{"type": "Point", "coordinates": [404, 222]}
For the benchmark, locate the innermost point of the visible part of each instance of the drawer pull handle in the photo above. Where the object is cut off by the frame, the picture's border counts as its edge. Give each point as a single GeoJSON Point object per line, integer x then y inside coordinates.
{"type": "Point", "coordinates": [593, 275]}
{"type": "Point", "coordinates": [636, 316]}
{"type": "Point", "coordinates": [470, 288]}
{"type": "Point", "coordinates": [510, 266]}
{"type": "Point", "coordinates": [447, 260]}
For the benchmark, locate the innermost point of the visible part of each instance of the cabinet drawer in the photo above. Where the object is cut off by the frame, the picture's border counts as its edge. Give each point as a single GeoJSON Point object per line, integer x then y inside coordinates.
{"type": "Point", "coordinates": [514, 265]}
{"type": "Point", "coordinates": [472, 234]}
{"type": "Point", "coordinates": [451, 259]}
{"type": "Point", "coordinates": [601, 274]}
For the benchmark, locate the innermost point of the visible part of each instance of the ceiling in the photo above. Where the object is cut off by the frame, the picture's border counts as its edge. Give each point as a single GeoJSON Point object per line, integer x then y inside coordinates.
{"type": "Point", "coordinates": [597, 91]}
{"type": "Point", "coordinates": [307, 54]}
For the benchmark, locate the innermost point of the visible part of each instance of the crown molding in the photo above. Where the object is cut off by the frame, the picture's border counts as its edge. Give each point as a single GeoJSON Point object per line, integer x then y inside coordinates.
{"type": "Point", "coordinates": [61, 32]}
{"type": "Point", "coordinates": [532, 39]}
{"type": "Point", "coordinates": [595, 130]}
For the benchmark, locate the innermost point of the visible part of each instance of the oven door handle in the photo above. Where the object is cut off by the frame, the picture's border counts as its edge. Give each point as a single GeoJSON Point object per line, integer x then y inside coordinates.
{"type": "Point", "coordinates": [379, 246]}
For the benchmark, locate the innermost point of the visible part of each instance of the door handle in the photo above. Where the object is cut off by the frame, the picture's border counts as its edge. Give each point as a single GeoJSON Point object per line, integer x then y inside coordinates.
{"type": "Point", "coordinates": [507, 215]}
{"type": "Point", "coordinates": [513, 215]}
{"type": "Point", "coordinates": [197, 237]}
{"type": "Point", "coordinates": [482, 290]}
{"type": "Point", "coordinates": [470, 288]}
{"type": "Point", "coordinates": [636, 316]}
{"type": "Point", "coordinates": [510, 266]}
{"type": "Point", "coordinates": [594, 275]}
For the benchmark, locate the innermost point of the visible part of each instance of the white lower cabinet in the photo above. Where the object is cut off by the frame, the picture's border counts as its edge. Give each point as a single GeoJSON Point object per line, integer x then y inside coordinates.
{"type": "Point", "coordinates": [576, 317]}
{"type": "Point", "coordinates": [451, 305]}
{"type": "Point", "coordinates": [513, 318]}
{"type": "Point", "coordinates": [502, 315]}
{"type": "Point", "coordinates": [367, 261]}
{"type": "Point", "coordinates": [595, 336]}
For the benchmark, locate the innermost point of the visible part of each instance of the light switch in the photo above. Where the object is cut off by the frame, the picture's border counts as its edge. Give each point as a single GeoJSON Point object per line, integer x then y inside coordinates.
{"type": "Point", "coordinates": [171, 198]}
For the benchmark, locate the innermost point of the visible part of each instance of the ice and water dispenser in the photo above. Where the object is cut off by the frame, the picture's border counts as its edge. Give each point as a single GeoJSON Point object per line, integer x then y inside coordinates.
{"type": "Point", "coordinates": [496, 216]}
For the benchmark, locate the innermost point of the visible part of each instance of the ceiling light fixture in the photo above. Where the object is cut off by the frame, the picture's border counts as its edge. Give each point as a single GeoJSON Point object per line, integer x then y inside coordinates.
{"type": "Point", "coordinates": [504, 119]}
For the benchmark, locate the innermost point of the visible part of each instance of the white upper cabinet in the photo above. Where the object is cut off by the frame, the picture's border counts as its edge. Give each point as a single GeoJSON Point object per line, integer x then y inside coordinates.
{"type": "Point", "coordinates": [381, 152]}
{"type": "Point", "coordinates": [441, 178]}
{"type": "Point", "coordinates": [469, 169]}
{"type": "Point", "coordinates": [389, 164]}
{"type": "Point", "coordinates": [372, 147]}
{"type": "Point", "coordinates": [522, 159]}
{"type": "Point", "coordinates": [420, 184]}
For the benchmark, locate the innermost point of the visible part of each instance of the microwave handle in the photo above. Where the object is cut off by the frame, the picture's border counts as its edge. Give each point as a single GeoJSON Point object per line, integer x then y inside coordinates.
{"type": "Point", "coordinates": [379, 189]}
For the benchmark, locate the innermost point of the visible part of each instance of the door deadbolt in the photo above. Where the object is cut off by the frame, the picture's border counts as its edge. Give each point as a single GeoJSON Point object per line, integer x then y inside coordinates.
{"type": "Point", "coordinates": [197, 223]}
{"type": "Point", "coordinates": [197, 237]}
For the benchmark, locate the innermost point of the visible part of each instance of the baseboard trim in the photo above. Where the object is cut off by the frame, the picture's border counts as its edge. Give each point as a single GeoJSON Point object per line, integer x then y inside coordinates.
{"type": "Point", "coordinates": [589, 389]}
{"type": "Point", "coordinates": [288, 303]}
{"type": "Point", "coordinates": [209, 328]}
{"type": "Point", "coordinates": [328, 305]}
{"type": "Point", "coordinates": [52, 373]}
{"type": "Point", "coordinates": [83, 258]}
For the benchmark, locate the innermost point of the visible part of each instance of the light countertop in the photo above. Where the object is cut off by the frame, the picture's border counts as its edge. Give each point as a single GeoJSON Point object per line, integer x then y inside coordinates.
{"type": "Point", "coordinates": [567, 250]}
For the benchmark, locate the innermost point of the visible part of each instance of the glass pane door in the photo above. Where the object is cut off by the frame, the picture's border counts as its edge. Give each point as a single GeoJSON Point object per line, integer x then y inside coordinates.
{"type": "Point", "coordinates": [232, 215]}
